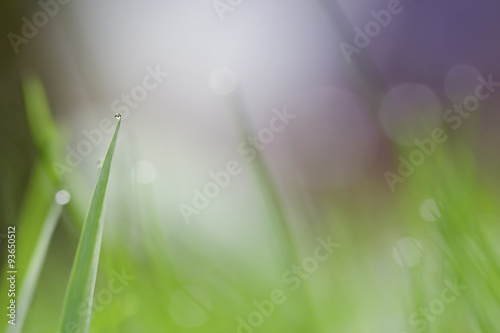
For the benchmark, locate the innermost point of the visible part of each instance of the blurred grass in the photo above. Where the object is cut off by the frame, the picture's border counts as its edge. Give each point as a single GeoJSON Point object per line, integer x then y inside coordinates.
{"type": "Point", "coordinates": [34, 214]}
{"type": "Point", "coordinates": [32, 271]}
{"type": "Point", "coordinates": [48, 141]}
{"type": "Point", "coordinates": [360, 288]}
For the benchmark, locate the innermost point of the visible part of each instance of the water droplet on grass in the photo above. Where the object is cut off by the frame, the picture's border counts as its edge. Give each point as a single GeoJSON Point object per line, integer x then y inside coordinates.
{"type": "Point", "coordinates": [100, 163]}
{"type": "Point", "coordinates": [118, 115]}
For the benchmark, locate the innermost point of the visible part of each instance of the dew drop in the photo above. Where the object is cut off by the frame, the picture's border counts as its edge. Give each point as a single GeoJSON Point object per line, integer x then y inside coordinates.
{"type": "Point", "coordinates": [62, 197]}
{"type": "Point", "coordinates": [100, 163]}
{"type": "Point", "coordinates": [118, 115]}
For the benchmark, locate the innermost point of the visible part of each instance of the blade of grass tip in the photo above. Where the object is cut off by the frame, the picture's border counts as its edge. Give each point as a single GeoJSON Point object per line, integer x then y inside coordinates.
{"type": "Point", "coordinates": [81, 285]}
{"type": "Point", "coordinates": [30, 280]}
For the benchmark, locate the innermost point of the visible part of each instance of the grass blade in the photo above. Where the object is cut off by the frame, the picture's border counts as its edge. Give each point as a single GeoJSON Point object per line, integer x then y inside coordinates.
{"type": "Point", "coordinates": [30, 281]}
{"type": "Point", "coordinates": [34, 219]}
{"type": "Point", "coordinates": [80, 290]}
{"type": "Point", "coordinates": [48, 139]}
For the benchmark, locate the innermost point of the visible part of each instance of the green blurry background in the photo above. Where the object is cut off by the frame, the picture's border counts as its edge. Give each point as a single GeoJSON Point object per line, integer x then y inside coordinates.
{"type": "Point", "coordinates": [419, 257]}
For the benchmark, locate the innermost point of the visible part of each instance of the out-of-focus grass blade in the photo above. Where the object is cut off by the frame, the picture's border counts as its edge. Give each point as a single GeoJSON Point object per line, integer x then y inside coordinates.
{"type": "Point", "coordinates": [80, 292]}
{"type": "Point", "coordinates": [48, 141]}
{"type": "Point", "coordinates": [39, 213]}
{"type": "Point", "coordinates": [43, 130]}
{"type": "Point", "coordinates": [30, 280]}
{"type": "Point", "coordinates": [282, 229]}
{"type": "Point", "coordinates": [29, 227]}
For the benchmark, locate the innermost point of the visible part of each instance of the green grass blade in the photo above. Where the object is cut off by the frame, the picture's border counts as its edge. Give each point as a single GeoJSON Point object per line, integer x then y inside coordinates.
{"type": "Point", "coordinates": [80, 292]}
{"type": "Point", "coordinates": [30, 280]}
{"type": "Point", "coordinates": [43, 129]}
{"type": "Point", "coordinates": [48, 140]}
{"type": "Point", "coordinates": [35, 217]}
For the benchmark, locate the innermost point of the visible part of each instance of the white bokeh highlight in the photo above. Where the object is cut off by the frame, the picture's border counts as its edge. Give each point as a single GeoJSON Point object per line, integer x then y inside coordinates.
{"type": "Point", "coordinates": [62, 197]}
{"type": "Point", "coordinates": [429, 210]}
{"type": "Point", "coordinates": [145, 172]}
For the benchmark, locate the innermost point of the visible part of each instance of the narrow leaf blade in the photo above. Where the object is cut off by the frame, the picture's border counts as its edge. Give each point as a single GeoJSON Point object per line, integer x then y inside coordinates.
{"type": "Point", "coordinates": [80, 290]}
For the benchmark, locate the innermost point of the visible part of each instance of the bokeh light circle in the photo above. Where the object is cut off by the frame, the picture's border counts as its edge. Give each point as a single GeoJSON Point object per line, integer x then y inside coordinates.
{"type": "Point", "coordinates": [461, 81]}
{"type": "Point", "coordinates": [410, 111]}
{"type": "Point", "coordinates": [62, 197]}
{"type": "Point", "coordinates": [145, 172]}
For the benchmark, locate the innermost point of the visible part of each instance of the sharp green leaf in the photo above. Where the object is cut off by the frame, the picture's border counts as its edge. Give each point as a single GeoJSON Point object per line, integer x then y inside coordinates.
{"type": "Point", "coordinates": [79, 294]}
